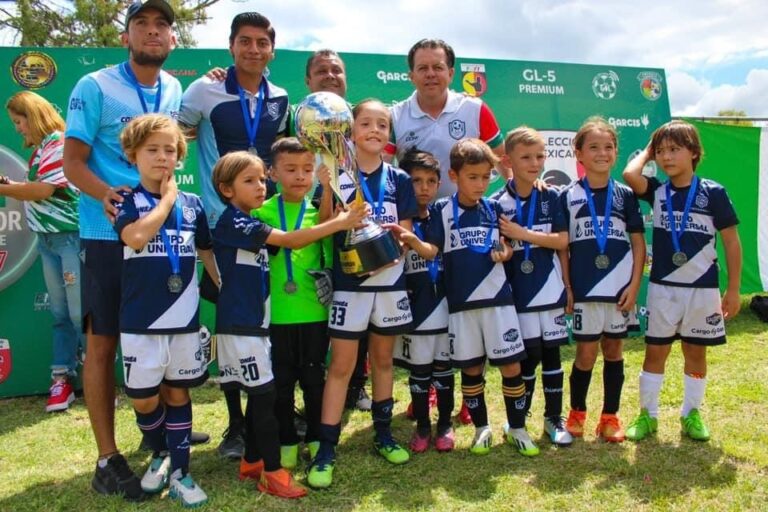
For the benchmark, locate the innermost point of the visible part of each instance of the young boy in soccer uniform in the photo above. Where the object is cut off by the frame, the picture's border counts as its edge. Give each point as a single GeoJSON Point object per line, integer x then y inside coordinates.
{"type": "Point", "coordinates": [425, 350]}
{"type": "Point", "coordinates": [482, 322]}
{"type": "Point", "coordinates": [298, 328]}
{"type": "Point", "coordinates": [159, 325]}
{"type": "Point", "coordinates": [606, 255]}
{"type": "Point", "coordinates": [683, 295]}
{"type": "Point", "coordinates": [537, 231]}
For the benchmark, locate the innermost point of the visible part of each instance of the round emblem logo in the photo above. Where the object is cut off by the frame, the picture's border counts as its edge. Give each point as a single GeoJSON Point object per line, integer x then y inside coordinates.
{"type": "Point", "coordinates": [33, 70]}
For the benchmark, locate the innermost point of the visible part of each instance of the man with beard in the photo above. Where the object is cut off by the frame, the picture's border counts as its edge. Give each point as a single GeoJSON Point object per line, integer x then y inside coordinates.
{"type": "Point", "coordinates": [100, 105]}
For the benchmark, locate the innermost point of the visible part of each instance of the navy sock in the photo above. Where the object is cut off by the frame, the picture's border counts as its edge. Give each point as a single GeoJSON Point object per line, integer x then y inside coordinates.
{"type": "Point", "coordinates": [579, 387]}
{"type": "Point", "coordinates": [444, 382]}
{"type": "Point", "coordinates": [513, 389]}
{"type": "Point", "coordinates": [473, 391]}
{"type": "Point", "coordinates": [329, 438]}
{"type": "Point", "coordinates": [262, 433]}
{"type": "Point", "coordinates": [152, 425]}
{"type": "Point", "coordinates": [528, 370]}
{"type": "Point", "coordinates": [552, 381]}
{"type": "Point", "coordinates": [419, 384]}
{"type": "Point", "coordinates": [613, 382]}
{"type": "Point", "coordinates": [178, 427]}
{"type": "Point", "coordinates": [381, 412]}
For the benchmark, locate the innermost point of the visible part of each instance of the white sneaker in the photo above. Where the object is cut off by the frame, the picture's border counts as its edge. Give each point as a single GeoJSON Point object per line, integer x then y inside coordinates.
{"type": "Point", "coordinates": [187, 491]}
{"type": "Point", "coordinates": [519, 438]}
{"type": "Point", "coordinates": [157, 475]}
{"type": "Point", "coordinates": [555, 429]}
{"type": "Point", "coordinates": [481, 445]}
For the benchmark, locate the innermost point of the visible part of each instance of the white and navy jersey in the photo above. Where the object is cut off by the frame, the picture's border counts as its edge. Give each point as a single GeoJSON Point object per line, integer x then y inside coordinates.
{"type": "Point", "coordinates": [239, 243]}
{"type": "Point", "coordinates": [472, 279]}
{"type": "Point", "coordinates": [711, 211]}
{"type": "Point", "coordinates": [424, 294]}
{"type": "Point", "coordinates": [543, 288]}
{"type": "Point", "coordinates": [214, 108]}
{"type": "Point", "coordinates": [591, 284]}
{"type": "Point", "coordinates": [399, 202]}
{"type": "Point", "coordinates": [146, 304]}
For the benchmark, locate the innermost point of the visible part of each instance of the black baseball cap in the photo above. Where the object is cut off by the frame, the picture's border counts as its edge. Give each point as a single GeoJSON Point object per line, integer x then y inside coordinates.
{"type": "Point", "coordinates": [139, 5]}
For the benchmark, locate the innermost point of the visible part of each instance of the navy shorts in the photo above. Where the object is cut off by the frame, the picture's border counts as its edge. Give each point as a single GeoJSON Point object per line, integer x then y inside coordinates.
{"type": "Point", "coordinates": [102, 264]}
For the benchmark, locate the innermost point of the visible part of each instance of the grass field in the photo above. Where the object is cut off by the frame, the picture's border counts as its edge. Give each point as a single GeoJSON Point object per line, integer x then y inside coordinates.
{"type": "Point", "coordinates": [46, 461]}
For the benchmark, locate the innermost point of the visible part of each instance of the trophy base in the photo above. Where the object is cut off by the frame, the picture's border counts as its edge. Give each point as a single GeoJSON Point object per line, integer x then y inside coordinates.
{"type": "Point", "coordinates": [370, 255]}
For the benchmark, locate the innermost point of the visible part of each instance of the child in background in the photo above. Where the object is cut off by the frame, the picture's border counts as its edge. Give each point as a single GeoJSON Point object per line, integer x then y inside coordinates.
{"type": "Point", "coordinates": [535, 222]}
{"type": "Point", "coordinates": [242, 311]}
{"type": "Point", "coordinates": [159, 326]}
{"type": "Point", "coordinates": [606, 256]}
{"type": "Point", "coordinates": [683, 295]}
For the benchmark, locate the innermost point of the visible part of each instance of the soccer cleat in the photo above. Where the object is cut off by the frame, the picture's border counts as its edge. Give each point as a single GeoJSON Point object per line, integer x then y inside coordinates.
{"type": "Point", "coordinates": [357, 398]}
{"type": "Point", "coordinates": [61, 395]}
{"type": "Point", "coordinates": [280, 483]}
{"type": "Point", "coordinates": [320, 474]}
{"type": "Point", "coordinates": [693, 426]}
{"type": "Point", "coordinates": [642, 426]}
{"type": "Point", "coordinates": [232, 445]}
{"type": "Point", "coordinates": [464, 417]}
{"type": "Point", "coordinates": [187, 491]}
{"type": "Point", "coordinates": [289, 456]}
{"type": "Point", "coordinates": [117, 478]}
{"type": "Point", "coordinates": [251, 470]}
{"type": "Point", "coordinates": [432, 400]}
{"type": "Point", "coordinates": [609, 429]}
{"type": "Point", "coordinates": [519, 438]}
{"type": "Point", "coordinates": [313, 447]}
{"type": "Point", "coordinates": [445, 440]}
{"type": "Point", "coordinates": [420, 440]}
{"type": "Point", "coordinates": [481, 444]}
{"type": "Point", "coordinates": [157, 475]}
{"type": "Point", "coordinates": [554, 427]}
{"type": "Point", "coordinates": [575, 423]}
{"type": "Point", "coordinates": [391, 451]}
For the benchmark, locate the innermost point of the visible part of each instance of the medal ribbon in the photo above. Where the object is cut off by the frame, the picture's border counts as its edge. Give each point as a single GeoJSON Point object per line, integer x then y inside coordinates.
{"type": "Point", "coordinates": [601, 234]}
{"type": "Point", "coordinates": [135, 82]}
{"type": "Point", "coordinates": [486, 248]}
{"type": "Point", "coordinates": [676, 235]}
{"type": "Point", "coordinates": [252, 123]}
{"type": "Point", "coordinates": [284, 227]}
{"type": "Point", "coordinates": [531, 213]}
{"type": "Point", "coordinates": [173, 251]}
{"type": "Point", "coordinates": [382, 191]}
{"type": "Point", "coordinates": [433, 266]}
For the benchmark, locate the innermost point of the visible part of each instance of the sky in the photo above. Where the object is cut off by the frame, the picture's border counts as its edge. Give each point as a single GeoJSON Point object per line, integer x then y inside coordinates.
{"type": "Point", "coordinates": [714, 52]}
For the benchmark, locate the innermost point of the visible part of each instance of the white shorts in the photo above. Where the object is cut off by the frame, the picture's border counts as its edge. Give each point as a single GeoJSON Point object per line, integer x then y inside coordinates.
{"type": "Point", "coordinates": [492, 332]}
{"type": "Point", "coordinates": [353, 314]}
{"type": "Point", "coordinates": [417, 352]}
{"type": "Point", "coordinates": [245, 362]}
{"type": "Point", "coordinates": [174, 359]}
{"type": "Point", "coordinates": [594, 320]}
{"type": "Point", "coordinates": [693, 315]}
{"type": "Point", "coordinates": [549, 327]}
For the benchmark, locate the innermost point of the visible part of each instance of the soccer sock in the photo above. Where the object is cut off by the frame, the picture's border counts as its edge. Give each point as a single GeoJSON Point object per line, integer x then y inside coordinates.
{"type": "Point", "coordinates": [329, 438]}
{"type": "Point", "coordinates": [262, 437]}
{"type": "Point", "coordinates": [381, 412]}
{"type": "Point", "coordinates": [444, 382]}
{"type": "Point", "coordinates": [234, 408]}
{"type": "Point", "coordinates": [178, 427]}
{"type": "Point", "coordinates": [312, 382]}
{"type": "Point", "coordinates": [579, 387]}
{"type": "Point", "coordinates": [152, 425]}
{"type": "Point", "coordinates": [552, 381]}
{"type": "Point", "coordinates": [613, 382]}
{"type": "Point", "coordinates": [515, 400]}
{"type": "Point", "coordinates": [694, 387]}
{"type": "Point", "coordinates": [473, 391]}
{"type": "Point", "coordinates": [650, 387]}
{"type": "Point", "coordinates": [528, 370]}
{"type": "Point", "coordinates": [419, 384]}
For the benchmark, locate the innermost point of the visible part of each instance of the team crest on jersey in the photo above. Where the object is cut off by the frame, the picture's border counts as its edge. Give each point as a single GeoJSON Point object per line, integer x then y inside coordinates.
{"type": "Point", "coordinates": [701, 201]}
{"type": "Point", "coordinates": [714, 319]}
{"type": "Point", "coordinates": [403, 304]}
{"type": "Point", "coordinates": [618, 200]}
{"type": "Point", "coordinates": [457, 129]}
{"type": "Point", "coordinates": [625, 314]}
{"type": "Point", "coordinates": [273, 109]}
{"type": "Point", "coordinates": [511, 335]}
{"type": "Point", "coordinates": [188, 214]}
{"type": "Point", "coordinates": [545, 207]}
{"type": "Point", "coordinates": [560, 320]}
{"type": "Point", "coordinates": [199, 354]}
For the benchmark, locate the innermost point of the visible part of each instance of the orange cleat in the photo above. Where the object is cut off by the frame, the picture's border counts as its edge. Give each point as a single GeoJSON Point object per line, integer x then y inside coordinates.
{"type": "Point", "coordinates": [575, 423]}
{"type": "Point", "coordinates": [252, 470]}
{"type": "Point", "coordinates": [609, 429]}
{"type": "Point", "coordinates": [280, 483]}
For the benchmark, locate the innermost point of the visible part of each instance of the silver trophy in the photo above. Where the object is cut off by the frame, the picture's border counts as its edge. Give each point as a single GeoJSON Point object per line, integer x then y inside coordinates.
{"type": "Point", "coordinates": [324, 125]}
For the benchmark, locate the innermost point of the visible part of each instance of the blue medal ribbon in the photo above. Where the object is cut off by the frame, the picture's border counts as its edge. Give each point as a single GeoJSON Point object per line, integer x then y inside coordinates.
{"type": "Point", "coordinates": [531, 213]}
{"type": "Point", "coordinates": [601, 233]}
{"type": "Point", "coordinates": [172, 250]}
{"type": "Point", "coordinates": [676, 235]}
{"type": "Point", "coordinates": [284, 227]}
{"type": "Point", "coordinates": [382, 192]}
{"type": "Point", "coordinates": [252, 123]}
{"type": "Point", "coordinates": [486, 247]}
{"type": "Point", "coordinates": [136, 85]}
{"type": "Point", "coordinates": [433, 266]}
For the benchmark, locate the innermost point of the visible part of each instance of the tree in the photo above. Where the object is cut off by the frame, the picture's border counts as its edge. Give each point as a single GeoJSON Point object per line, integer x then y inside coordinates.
{"type": "Point", "coordinates": [90, 23]}
{"type": "Point", "coordinates": [734, 113]}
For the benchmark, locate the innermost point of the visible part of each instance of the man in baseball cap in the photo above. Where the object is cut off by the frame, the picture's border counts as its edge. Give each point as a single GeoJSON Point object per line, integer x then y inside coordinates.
{"type": "Point", "coordinates": [140, 5]}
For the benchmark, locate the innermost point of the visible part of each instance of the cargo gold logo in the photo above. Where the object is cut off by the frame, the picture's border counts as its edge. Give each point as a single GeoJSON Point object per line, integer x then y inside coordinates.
{"type": "Point", "coordinates": [33, 70]}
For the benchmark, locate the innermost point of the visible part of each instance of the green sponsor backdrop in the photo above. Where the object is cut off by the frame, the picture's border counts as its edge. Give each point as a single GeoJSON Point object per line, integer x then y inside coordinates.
{"type": "Point", "coordinates": [553, 97]}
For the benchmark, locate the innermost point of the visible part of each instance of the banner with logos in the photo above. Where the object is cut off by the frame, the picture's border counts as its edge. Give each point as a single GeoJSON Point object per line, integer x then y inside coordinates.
{"type": "Point", "coordinates": [552, 97]}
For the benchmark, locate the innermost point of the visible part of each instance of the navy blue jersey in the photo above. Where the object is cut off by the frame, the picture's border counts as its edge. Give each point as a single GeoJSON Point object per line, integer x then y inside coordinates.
{"type": "Point", "coordinates": [591, 284]}
{"type": "Point", "coordinates": [711, 211]}
{"type": "Point", "coordinates": [424, 293]}
{"type": "Point", "coordinates": [399, 203]}
{"type": "Point", "coordinates": [147, 305]}
{"type": "Point", "coordinates": [472, 279]}
{"type": "Point", "coordinates": [241, 255]}
{"type": "Point", "coordinates": [543, 288]}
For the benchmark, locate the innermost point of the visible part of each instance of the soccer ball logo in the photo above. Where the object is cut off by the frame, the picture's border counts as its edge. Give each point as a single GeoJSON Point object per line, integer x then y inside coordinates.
{"type": "Point", "coordinates": [605, 85]}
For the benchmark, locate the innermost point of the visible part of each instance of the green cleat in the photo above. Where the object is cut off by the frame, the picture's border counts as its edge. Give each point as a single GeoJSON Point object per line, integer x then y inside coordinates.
{"type": "Point", "coordinates": [519, 438]}
{"type": "Point", "coordinates": [481, 445]}
{"type": "Point", "coordinates": [313, 447]}
{"type": "Point", "coordinates": [694, 427]}
{"type": "Point", "coordinates": [390, 450]}
{"type": "Point", "coordinates": [642, 426]}
{"type": "Point", "coordinates": [289, 455]}
{"type": "Point", "coordinates": [320, 474]}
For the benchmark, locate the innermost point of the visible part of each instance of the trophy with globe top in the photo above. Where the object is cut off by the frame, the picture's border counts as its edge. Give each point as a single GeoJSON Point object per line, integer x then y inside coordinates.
{"type": "Point", "coordinates": [324, 125]}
